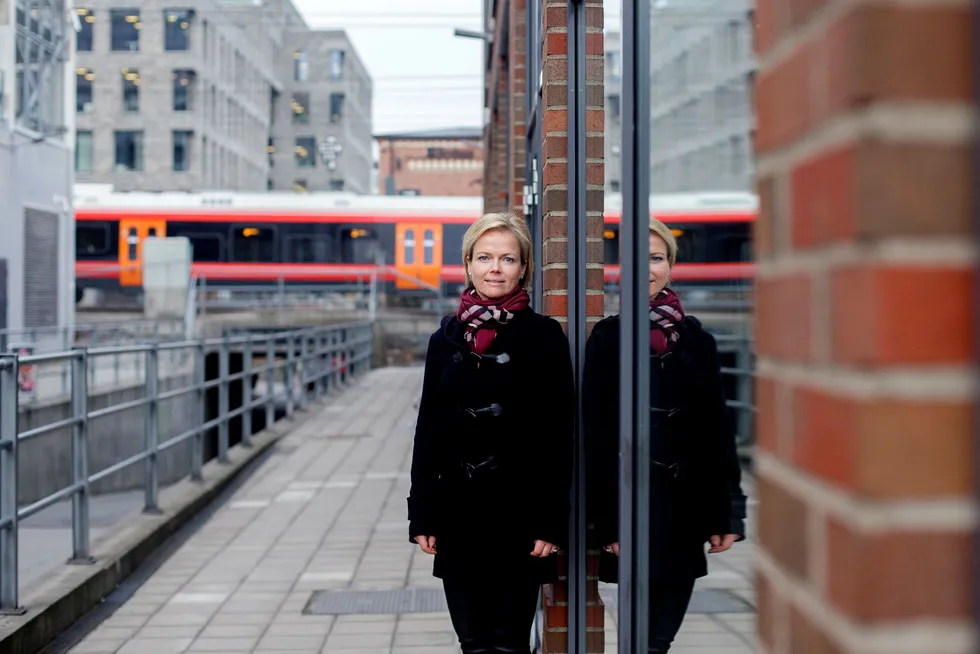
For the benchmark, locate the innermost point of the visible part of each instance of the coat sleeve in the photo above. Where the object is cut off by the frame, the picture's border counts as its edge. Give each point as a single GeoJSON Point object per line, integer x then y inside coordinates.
{"type": "Point", "coordinates": [555, 424]}
{"type": "Point", "coordinates": [728, 472]}
{"type": "Point", "coordinates": [600, 407]}
{"type": "Point", "coordinates": [423, 498]}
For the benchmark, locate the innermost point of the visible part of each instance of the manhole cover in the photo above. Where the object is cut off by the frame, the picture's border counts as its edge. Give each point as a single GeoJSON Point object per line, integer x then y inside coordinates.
{"type": "Point", "coordinates": [704, 600]}
{"type": "Point", "coordinates": [349, 602]}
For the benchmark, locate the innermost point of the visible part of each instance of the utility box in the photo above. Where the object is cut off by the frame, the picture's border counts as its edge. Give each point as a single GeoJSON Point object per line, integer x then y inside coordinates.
{"type": "Point", "coordinates": [166, 277]}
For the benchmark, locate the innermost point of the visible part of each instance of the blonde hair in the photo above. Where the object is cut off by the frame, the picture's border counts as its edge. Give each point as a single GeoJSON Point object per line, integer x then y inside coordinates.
{"type": "Point", "coordinates": [661, 230]}
{"type": "Point", "coordinates": [509, 221]}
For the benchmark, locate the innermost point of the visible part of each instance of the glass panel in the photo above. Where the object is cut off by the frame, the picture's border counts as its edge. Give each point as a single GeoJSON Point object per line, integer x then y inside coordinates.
{"type": "Point", "coordinates": [301, 108]}
{"type": "Point", "coordinates": [207, 247]}
{"type": "Point", "coordinates": [336, 64]}
{"type": "Point", "coordinates": [428, 242]}
{"type": "Point", "coordinates": [125, 26]}
{"type": "Point", "coordinates": [254, 244]}
{"type": "Point", "coordinates": [91, 240]}
{"type": "Point", "coordinates": [182, 150]}
{"type": "Point", "coordinates": [183, 87]}
{"type": "Point", "coordinates": [129, 151]}
{"type": "Point", "coordinates": [86, 21]}
{"type": "Point", "coordinates": [130, 89]}
{"type": "Point", "coordinates": [177, 29]}
{"type": "Point", "coordinates": [409, 247]}
{"type": "Point", "coordinates": [301, 66]}
{"type": "Point", "coordinates": [306, 152]}
{"type": "Point", "coordinates": [308, 248]}
{"type": "Point", "coordinates": [336, 107]}
{"type": "Point", "coordinates": [84, 77]}
{"type": "Point", "coordinates": [83, 151]}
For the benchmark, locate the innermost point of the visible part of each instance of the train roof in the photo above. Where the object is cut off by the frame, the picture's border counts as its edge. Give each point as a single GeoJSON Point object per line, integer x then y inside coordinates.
{"type": "Point", "coordinates": [98, 196]}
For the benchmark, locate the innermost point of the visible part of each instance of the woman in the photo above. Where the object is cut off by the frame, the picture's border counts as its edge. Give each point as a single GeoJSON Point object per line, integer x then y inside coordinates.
{"type": "Point", "coordinates": [491, 466]}
{"type": "Point", "coordinates": [695, 494]}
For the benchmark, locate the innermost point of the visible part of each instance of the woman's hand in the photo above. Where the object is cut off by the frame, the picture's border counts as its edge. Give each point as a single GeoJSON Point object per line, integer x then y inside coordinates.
{"type": "Point", "coordinates": [543, 548]}
{"type": "Point", "coordinates": [721, 543]}
{"type": "Point", "coordinates": [427, 543]}
{"type": "Point", "coordinates": [612, 548]}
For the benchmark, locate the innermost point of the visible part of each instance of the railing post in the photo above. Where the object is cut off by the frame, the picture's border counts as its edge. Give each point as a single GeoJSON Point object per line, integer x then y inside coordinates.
{"type": "Point", "coordinates": [300, 373]}
{"type": "Point", "coordinates": [247, 392]}
{"type": "Point", "coordinates": [335, 364]}
{"type": "Point", "coordinates": [290, 373]}
{"type": "Point", "coordinates": [152, 488]}
{"type": "Point", "coordinates": [743, 385]}
{"type": "Point", "coordinates": [79, 457]}
{"type": "Point", "coordinates": [200, 377]}
{"type": "Point", "coordinates": [319, 365]}
{"type": "Point", "coordinates": [8, 486]}
{"type": "Point", "coordinates": [270, 380]}
{"type": "Point", "coordinates": [223, 372]}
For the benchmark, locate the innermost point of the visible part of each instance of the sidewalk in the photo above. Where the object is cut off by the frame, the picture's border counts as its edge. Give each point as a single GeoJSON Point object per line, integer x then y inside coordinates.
{"type": "Point", "coordinates": [327, 513]}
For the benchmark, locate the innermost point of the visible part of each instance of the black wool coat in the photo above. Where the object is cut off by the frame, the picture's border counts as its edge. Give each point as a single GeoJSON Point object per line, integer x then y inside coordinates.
{"type": "Point", "coordinates": [489, 483]}
{"type": "Point", "coordinates": [695, 478]}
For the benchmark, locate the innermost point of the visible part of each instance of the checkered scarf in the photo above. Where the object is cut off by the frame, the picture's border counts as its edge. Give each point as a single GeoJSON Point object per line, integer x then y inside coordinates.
{"type": "Point", "coordinates": [482, 317]}
{"type": "Point", "coordinates": [665, 314]}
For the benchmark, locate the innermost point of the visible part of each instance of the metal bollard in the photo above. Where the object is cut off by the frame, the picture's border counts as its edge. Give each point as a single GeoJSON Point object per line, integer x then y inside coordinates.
{"type": "Point", "coordinates": [8, 487]}
{"type": "Point", "coordinates": [247, 393]}
{"type": "Point", "coordinates": [200, 376]}
{"type": "Point", "coordinates": [270, 378]}
{"type": "Point", "coordinates": [79, 458]}
{"type": "Point", "coordinates": [152, 488]}
{"type": "Point", "coordinates": [223, 372]}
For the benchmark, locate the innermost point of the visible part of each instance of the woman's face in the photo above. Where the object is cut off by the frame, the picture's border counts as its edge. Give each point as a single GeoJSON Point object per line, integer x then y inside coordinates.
{"type": "Point", "coordinates": [659, 264]}
{"type": "Point", "coordinates": [495, 264]}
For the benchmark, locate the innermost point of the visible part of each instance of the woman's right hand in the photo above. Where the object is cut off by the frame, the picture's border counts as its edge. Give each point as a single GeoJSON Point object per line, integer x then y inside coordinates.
{"type": "Point", "coordinates": [427, 543]}
{"type": "Point", "coordinates": [612, 549]}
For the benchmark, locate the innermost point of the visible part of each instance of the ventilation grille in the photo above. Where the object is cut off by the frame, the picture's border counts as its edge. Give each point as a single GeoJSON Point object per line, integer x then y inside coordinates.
{"type": "Point", "coordinates": [40, 268]}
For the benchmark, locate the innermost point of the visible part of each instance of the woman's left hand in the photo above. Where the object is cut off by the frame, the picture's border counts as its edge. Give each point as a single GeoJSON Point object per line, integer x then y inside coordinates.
{"type": "Point", "coordinates": [721, 543]}
{"type": "Point", "coordinates": [544, 548]}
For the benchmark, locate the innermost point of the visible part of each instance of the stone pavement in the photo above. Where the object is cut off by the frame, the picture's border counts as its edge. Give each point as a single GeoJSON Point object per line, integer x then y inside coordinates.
{"type": "Point", "coordinates": [326, 512]}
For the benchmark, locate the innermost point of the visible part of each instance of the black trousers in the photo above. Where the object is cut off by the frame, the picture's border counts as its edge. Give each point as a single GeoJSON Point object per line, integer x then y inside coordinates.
{"type": "Point", "coordinates": [492, 616]}
{"type": "Point", "coordinates": [668, 605]}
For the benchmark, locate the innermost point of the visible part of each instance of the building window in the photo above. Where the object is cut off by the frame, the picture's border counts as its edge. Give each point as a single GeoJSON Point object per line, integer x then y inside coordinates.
{"type": "Point", "coordinates": [83, 39]}
{"type": "Point", "coordinates": [301, 66]}
{"type": "Point", "coordinates": [177, 29]}
{"type": "Point", "coordinates": [83, 90]}
{"type": "Point", "coordinates": [336, 185]}
{"type": "Point", "coordinates": [183, 80]}
{"type": "Point", "coordinates": [301, 111]}
{"type": "Point", "coordinates": [300, 186]}
{"type": "Point", "coordinates": [336, 64]}
{"type": "Point", "coordinates": [614, 107]}
{"type": "Point", "coordinates": [306, 152]}
{"type": "Point", "coordinates": [129, 151]}
{"type": "Point", "coordinates": [182, 150]}
{"type": "Point", "coordinates": [125, 25]}
{"type": "Point", "coordinates": [83, 151]}
{"type": "Point", "coordinates": [131, 89]}
{"type": "Point", "coordinates": [336, 107]}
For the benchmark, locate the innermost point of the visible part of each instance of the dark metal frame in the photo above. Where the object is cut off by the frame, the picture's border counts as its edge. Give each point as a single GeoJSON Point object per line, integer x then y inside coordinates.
{"type": "Point", "coordinates": [634, 436]}
{"type": "Point", "coordinates": [532, 196]}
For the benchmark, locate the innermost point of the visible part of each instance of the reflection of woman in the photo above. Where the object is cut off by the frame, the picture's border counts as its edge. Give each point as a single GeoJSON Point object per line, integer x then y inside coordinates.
{"type": "Point", "coordinates": [491, 466]}
{"type": "Point", "coordinates": [695, 494]}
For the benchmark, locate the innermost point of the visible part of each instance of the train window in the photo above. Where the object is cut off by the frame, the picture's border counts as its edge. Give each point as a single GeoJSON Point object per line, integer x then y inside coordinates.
{"type": "Point", "coordinates": [731, 243]}
{"type": "Point", "coordinates": [152, 232]}
{"type": "Point", "coordinates": [206, 247]}
{"type": "Point", "coordinates": [428, 243]}
{"type": "Point", "coordinates": [689, 243]}
{"type": "Point", "coordinates": [409, 247]}
{"type": "Point", "coordinates": [359, 245]}
{"type": "Point", "coordinates": [308, 248]}
{"type": "Point", "coordinates": [91, 240]}
{"type": "Point", "coordinates": [610, 246]}
{"type": "Point", "coordinates": [253, 244]}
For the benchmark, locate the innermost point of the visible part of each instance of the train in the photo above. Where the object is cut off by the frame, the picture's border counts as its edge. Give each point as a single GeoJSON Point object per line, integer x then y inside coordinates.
{"type": "Point", "coordinates": [411, 244]}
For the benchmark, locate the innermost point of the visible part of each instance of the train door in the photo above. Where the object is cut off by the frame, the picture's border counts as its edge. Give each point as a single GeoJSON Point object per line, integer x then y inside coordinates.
{"type": "Point", "coordinates": [418, 254]}
{"type": "Point", "coordinates": [132, 233]}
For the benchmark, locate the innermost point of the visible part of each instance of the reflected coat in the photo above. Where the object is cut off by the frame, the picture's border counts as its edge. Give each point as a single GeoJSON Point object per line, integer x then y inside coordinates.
{"type": "Point", "coordinates": [695, 476]}
{"type": "Point", "coordinates": [486, 517]}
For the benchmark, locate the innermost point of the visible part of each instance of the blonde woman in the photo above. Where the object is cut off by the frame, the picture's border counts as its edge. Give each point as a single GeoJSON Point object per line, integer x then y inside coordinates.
{"type": "Point", "coordinates": [491, 465]}
{"type": "Point", "coordinates": [695, 494]}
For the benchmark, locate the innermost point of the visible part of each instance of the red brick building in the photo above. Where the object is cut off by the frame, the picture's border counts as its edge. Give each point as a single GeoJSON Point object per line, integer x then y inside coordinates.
{"type": "Point", "coordinates": [444, 162]}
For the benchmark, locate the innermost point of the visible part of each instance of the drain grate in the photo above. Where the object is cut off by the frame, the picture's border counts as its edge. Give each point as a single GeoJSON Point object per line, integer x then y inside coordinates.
{"type": "Point", "coordinates": [351, 602]}
{"type": "Point", "coordinates": [704, 600]}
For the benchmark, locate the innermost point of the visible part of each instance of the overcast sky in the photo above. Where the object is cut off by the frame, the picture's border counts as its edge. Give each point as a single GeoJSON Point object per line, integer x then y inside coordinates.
{"type": "Point", "coordinates": [424, 76]}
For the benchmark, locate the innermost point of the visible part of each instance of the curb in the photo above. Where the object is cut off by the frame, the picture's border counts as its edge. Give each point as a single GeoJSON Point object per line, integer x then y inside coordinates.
{"type": "Point", "coordinates": [69, 592]}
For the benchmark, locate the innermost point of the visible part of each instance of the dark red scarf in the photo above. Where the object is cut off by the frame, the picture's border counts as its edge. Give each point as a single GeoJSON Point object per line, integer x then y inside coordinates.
{"type": "Point", "coordinates": [665, 315]}
{"type": "Point", "coordinates": [482, 317]}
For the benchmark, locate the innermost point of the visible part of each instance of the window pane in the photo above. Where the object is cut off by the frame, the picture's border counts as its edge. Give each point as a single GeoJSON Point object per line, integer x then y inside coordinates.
{"type": "Point", "coordinates": [131, 89]}
{"type": "Point", "coordinates": [306, 152]}
{"type": "Point", "coordinates": [301, 66]}
{"type": "Point", "coordinates": [336, 185]}
{"type": "Point", "coordinates": [300, 186]}
{"type": "Point", "coordinates": [91, 240]}
{"type": "Point", "coordinates": [83, 39]}
{"type": "Point", "coordinates": [336, 107]}
{"type": "Point", "coordinates": [83, 151]}
{"type": "Point", "coordinates": [182, 150]}
{"type": "Point", "coordinates": [336, 64]}
{"type": "Point", "coordinates": [409, 246]}
{"type": "Point", "coordinates": [301, 111]}
{"type": "Point", "coordinates": [183, 84]}
{"type": "Point", "coordinates": [129, 151]}
{"type": "Point", "coordinates": [177, 29]}
{"type": "Point", "coordinates": [308, 248]}
{"type": "Point", "coordinates": [254, 244]}
{"type": "Point", "coordinates": [206, 248]}
{"type": "Point", "coordinates": [125, 24]}
{"type": "Point", "coordinates": [83, 90]}
{"type": "Point", "coordinates": [428, 242]}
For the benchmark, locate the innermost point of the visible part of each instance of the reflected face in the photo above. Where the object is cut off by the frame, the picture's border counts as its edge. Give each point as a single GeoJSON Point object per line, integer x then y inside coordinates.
{"type": "Point", "coordinates": [659, 264]}
{"type": "Point", "coordinates": [495, 264]}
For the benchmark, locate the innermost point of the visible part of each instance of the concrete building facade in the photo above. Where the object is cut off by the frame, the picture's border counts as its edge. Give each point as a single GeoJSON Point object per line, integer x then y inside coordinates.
{"type": "Point", "coordinates": [445, 162]}
{"type": "Point", "coordinates": [36, 135]}
{"type": "Point", "coordinates": [185, 96]}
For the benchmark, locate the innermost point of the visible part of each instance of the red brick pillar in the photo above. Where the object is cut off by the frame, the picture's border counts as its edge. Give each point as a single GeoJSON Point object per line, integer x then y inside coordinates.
{"type": "Point", "coordinates": [496, 196]}
{"type": "Point", "coordinates": [517, 75]}
{"type": "Point", "coordinates": [554, 210]}
{"type": "Point", "coordinates": [864, 323]}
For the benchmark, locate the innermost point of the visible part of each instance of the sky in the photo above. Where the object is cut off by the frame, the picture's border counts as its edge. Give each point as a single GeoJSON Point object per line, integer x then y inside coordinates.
{"type": "Point", "coordinates": [424, 76]}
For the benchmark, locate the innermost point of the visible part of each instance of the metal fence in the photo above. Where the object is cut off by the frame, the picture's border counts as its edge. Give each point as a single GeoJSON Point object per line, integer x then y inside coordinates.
{"type": "Point", "coordinates": [309, 362]}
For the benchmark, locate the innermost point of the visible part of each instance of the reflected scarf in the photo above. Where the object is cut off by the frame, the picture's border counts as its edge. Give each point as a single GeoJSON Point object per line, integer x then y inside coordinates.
{"type": "Point", "coordinates": [665, 314]}
{"type": "Point", "coordinates": [482, 317]}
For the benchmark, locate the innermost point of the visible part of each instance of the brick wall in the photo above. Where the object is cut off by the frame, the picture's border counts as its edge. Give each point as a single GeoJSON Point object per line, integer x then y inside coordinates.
{"type": "Point", "coordinates": [865, 326]}
{"type": "Point", "coordinates": [459, 173]}
{"type": "Point", "coordinates": [495, 185]}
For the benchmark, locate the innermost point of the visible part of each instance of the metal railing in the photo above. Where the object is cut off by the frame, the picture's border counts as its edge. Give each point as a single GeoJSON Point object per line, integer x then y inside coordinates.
{"type": "Point", "coordinates": [310, 363]}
